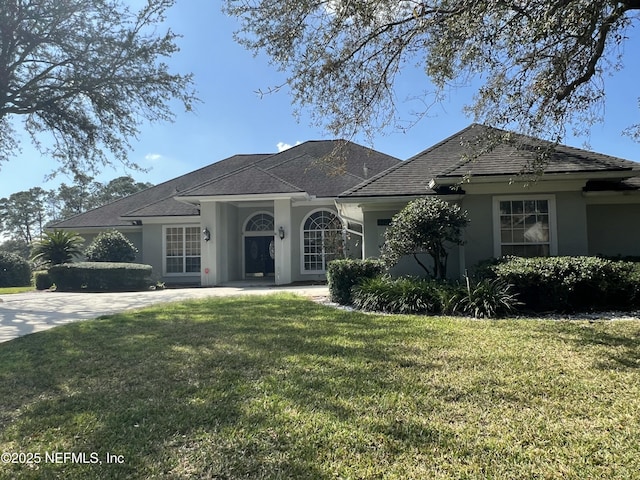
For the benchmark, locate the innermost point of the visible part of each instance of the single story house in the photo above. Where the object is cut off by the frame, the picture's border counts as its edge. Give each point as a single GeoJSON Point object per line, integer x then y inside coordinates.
{"type": "Point", "coordinates": [285, 216]}
{"type": "Point", "coordinates": [262, 215]}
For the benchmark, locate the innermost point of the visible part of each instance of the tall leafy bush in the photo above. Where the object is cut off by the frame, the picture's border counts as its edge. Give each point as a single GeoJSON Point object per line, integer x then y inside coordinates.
{"type": "Point", "coordinates": [426, 225]}
{"type": "Point", "coordinates": [111, 246]}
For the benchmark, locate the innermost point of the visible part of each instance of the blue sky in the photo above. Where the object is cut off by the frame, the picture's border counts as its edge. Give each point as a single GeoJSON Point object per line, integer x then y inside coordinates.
{"type": "Point", "coordinates": [233, 118]}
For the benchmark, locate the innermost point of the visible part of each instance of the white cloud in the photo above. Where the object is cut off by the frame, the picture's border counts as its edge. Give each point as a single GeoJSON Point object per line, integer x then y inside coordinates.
{"type": "Point", "coordinates": [152, 157]}
{"type": "Point", "coordinates": [285, 146]}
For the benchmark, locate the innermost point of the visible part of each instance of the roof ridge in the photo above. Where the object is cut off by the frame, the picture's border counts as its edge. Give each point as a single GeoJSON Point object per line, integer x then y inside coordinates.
{"type": "Point", "coordinates": [228, 174]}
{"type": "Point", "coordinates": [282, 180]}
{"type": "Point", "coordinates": [462, 161]}
{"type": "Point", "coordinates": [404, 162]}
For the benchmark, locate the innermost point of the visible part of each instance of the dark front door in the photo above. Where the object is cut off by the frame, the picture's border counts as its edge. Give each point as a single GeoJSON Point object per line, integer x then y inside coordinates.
{"type": "Point", "coordinates": [259, 256]}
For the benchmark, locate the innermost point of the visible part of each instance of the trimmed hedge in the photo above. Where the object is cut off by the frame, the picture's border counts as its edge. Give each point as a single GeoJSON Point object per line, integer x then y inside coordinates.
{"type": "Point", "coordinates": [570, 284]}
{"type": "Point", "coordinates": [344, 274]}
{"type": "Point", "coordinates": [101, 276]}
{"type": "Point", "coordinates": [42, 280]}
{"type": "Point", "coordinates": [14, 270]}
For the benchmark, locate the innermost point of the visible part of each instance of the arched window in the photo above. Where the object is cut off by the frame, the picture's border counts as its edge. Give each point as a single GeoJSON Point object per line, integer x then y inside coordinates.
{"type": "Point", "coordinates": [322, 240]}
{"type": "Point", "coordinates": [261, 222]}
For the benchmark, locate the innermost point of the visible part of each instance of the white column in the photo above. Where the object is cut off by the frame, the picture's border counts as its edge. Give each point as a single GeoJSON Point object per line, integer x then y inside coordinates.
{"type": "Point", "coordinates": [282, 218]}
{"type": "Point", "coordinates": [209, 254]}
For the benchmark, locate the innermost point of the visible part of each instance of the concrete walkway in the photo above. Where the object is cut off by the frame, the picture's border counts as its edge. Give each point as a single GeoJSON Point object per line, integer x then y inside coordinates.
{"type": "Point", "coordinates": [25, 313]}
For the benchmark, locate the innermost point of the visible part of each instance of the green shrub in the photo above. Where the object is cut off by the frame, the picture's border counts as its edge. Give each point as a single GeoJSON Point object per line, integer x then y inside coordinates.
{"type": "Point", "coordinates": [101, 276]}
{"type": "Point", "coordinates": [14, 271]}
{"type": "Point", "coordinates": [111, 246]}
{"type": "Point", "coordinates": [403, 295]}
{"type": "Point", "coordinates": [486, 298]}
{"type": "Point", "coordinates": [343, 275]}
{"type": "Point", "coordinates": [42, 280]}
{"type": "Point", "coordinates": [571, 283]}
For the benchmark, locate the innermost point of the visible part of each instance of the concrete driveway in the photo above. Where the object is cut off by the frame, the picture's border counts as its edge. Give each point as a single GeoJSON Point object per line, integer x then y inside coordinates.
{"type": "Point", "coordinates": [25, 313]}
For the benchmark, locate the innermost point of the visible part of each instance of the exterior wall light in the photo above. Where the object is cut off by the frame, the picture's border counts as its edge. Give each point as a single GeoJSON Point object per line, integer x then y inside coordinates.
{"type": "Point", "coordinates": [206, 234]}
{"type": "Point", "coordinates": [281, 233]}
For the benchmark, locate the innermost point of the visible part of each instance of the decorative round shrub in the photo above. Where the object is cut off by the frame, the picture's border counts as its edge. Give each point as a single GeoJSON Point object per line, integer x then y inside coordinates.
{"type": "Point", "coordinates": [111, 246]}
{"type": "Point", "coordinates": [14, 271]}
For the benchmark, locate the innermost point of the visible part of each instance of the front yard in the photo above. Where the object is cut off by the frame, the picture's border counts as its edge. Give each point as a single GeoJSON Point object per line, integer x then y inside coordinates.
{"type": "Point", "coordinates": [279, 387]}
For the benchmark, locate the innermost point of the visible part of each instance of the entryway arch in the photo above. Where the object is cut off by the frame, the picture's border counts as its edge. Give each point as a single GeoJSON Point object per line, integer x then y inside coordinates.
{"type": "Point", "coordinates": [259, 245]}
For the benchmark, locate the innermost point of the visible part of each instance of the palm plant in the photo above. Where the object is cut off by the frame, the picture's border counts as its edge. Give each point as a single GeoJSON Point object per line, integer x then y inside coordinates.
{"type": "Point", "coordinates": [57, 247]}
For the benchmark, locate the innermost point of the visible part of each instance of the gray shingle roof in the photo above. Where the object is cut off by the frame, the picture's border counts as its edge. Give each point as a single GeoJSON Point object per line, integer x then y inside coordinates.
{"type": "Point", "coordinates": [320, 168]}
{"type": "Point", "coordinates": [465, 153]}
{"type": "Point", "coordinates": [158, 198]}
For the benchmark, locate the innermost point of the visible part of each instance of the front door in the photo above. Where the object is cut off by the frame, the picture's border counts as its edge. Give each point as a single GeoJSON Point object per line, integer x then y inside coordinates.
{"type": "Point", "coordinates": [259, 255]}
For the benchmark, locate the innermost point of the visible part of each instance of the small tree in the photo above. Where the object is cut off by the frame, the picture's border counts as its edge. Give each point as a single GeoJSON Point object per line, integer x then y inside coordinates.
{"type": "Point", "coordinates": [426, 225]}
{"type": "Point", "coordinates": [111, 246]}
{"type": "Point", "coordinates": [57, 247]}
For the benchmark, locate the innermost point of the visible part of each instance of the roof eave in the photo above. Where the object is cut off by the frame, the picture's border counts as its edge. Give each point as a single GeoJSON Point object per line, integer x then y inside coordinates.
{"type": "Point", "coordinates": [585, 175]}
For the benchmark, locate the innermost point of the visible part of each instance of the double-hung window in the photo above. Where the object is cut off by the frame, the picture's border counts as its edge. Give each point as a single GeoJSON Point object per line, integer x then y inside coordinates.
{"type": "Point", "coordinates": [524, 226]}
{"type": "Point", "coordinates": [182, 249]}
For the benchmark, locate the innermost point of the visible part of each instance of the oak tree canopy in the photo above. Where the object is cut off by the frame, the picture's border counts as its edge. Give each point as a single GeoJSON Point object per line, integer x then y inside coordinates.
{"type": "Point", "coordinates": [80, 77]}
{"type": "Point", "coordinates": [540, 66]}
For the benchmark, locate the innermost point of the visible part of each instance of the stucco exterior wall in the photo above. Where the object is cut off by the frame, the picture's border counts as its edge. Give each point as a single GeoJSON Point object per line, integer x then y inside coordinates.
{"type": "Point", "coordinates": [572, 223]}
{"type": "Point", "coordinates": [614, 229]}
{"type": "Point", "coordinates": [478, 235]}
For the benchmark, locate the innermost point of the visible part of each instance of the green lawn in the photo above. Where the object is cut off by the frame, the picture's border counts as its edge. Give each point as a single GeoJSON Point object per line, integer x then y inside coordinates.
{"type": "Point", "coordinates": [279, 387]}
{"type": "Point", "coordinates": [9, 290]}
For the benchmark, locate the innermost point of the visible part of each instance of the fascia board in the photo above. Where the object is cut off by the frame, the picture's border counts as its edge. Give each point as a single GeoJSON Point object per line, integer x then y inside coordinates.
{"type": "Point", "coordinates": [447, 181]}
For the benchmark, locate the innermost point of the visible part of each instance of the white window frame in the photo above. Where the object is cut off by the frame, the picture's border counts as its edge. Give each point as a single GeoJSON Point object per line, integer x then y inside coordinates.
{"type": "Point", "coordinates": [553, 223]}
{"type": "Point", "coordinates": [251, 216]}
{"type": "Point", "coordinates": [303, 271]}
{"type": "Point", "coordinates": [164, 251]}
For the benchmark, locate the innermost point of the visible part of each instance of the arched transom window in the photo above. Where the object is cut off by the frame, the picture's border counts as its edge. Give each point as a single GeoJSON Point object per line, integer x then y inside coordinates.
{"type": "Point", "coordinates": [322, 240]}
{"type": "Point", "coordinates": [262, 222]}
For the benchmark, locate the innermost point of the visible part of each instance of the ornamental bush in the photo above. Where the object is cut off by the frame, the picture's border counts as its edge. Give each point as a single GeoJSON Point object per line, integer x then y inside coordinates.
{"type": "Point", "coordinates": [101, 276]}
{"type": "Point", "coordinates": [111, 246]}
{"type": "Point", "coordinates": [14, 271]}
{"type": "Point", "coordinates": [401, 295]}
{"type": "Point", "coordinates": [344, 274]}
{"type": "Point", "coordinates": [57, 247]}
{"type": "Point", "coordinates": [426, 225]}
{"type": "Point", "coordinates": [570, 284]}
